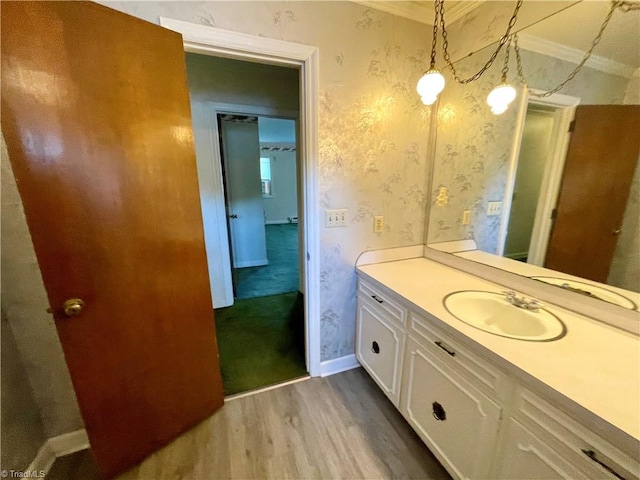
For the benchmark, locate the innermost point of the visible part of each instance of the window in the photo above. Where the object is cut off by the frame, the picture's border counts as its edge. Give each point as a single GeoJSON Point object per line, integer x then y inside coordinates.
{"type": "Point", "coordinates": [265, 176]}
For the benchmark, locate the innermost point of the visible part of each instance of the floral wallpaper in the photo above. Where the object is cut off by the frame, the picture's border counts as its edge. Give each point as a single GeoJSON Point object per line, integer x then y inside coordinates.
{"type": "Point", "coordinates": [473, 145]}
{"type": "Point", "coordinates": [373, 130]}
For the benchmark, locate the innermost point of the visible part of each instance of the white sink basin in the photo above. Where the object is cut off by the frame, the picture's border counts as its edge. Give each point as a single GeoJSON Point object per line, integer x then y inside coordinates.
{"type": "Point", "coordinates": [589, 290]}
{"type": "Point", "coordinates": [492, 312]}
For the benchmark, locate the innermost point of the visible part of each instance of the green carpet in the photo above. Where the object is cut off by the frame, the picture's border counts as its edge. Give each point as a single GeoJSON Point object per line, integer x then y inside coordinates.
{"type": "Point", "coordinates": [281, 274]}
{"type": "Point", "coordinates": [261, 341]}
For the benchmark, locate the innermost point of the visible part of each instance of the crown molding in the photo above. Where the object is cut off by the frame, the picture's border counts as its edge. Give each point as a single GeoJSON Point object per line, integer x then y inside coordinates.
{"type": "Point", "coordinates": [573, 55]}
{"type": "Point", "coordinates": [421, 11]}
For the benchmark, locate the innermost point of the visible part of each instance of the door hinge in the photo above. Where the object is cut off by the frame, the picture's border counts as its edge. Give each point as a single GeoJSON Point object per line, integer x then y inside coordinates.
{"type": "Point", "coordinates": [308, 257]}
{"type": "Point", "coordinates": [554, 214]}
{"type": "Point", "coordinates": [572, 126]}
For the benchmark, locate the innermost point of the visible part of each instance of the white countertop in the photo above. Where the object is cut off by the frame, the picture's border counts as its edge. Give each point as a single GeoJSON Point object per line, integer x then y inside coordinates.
{"type": "Point", "coordinates": [529, 270]}
{"type": "Point", "coordinates": [594, 365]}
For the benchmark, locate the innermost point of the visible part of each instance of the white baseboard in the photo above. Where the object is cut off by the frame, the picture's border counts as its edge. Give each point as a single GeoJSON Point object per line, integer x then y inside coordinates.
{"type": "Point", "coordinates": [58, 447]}
{"type": "Point", "coordinates": [69, 443]}
{"type": "Point", "coordinates": [252, 263]}
{"type": "Point", "coordinates": [44, 459]}
{"type": "Point", "coordinates": [337, 365]}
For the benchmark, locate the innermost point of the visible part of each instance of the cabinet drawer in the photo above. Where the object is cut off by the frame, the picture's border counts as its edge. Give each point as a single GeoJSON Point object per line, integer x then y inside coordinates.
{"type": "Point", "coordinates": [456, 420]}
{"type": "Point", "coordinates": [526, 456]}
{"type": "Point", "coordinates": [585, 450]}
{"type": "Point", "coordinates": [384, 300]}
{"type": "Point", "coordinates": [469, 365]}
{"type": "Point", "coordinates": [379, 347]}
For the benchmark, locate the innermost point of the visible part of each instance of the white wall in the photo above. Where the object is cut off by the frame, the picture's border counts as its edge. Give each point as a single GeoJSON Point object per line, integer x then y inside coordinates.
{"type": "Point", "coordinates": [283, 202]}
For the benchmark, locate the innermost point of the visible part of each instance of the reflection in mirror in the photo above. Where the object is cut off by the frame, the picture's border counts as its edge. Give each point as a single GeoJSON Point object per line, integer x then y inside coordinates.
{"type": "Point", "coordinates": [552, 182]}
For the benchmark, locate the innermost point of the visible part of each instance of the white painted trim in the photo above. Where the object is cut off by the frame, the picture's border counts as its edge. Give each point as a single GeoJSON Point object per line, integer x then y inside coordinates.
{"type": "Point", "coordinates": [265, 389]}
{"type": "Point", "coordinates": [44, 459]}
{"type": "Point", "coordinates": [513, 167]}
{"type": "Point", "coordinates": [69, 442]}
{"type": "Point", "coordinates": [369, 257]}
{"type": "Point", "coordinates": [573, 55]}
{"type": "Point", "coordinates": [337, 365]}
{"type": "Point", "coordinates": [212, 199]}
{"type": "Point", "coordinates": [421, 11]}
{"type": "Point", "coordinates": [552, 176]}
{"type": "Point", "coordinates": [210, 40]}
{"type": "Point", "coordinates": [58, 447]}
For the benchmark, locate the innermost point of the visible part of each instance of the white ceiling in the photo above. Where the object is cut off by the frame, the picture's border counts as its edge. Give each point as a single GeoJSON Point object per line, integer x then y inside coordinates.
{"type": "Point", "coordinates": [576, 27]}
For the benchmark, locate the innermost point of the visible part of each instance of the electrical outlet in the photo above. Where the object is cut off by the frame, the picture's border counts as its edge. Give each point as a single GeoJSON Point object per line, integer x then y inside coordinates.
{"type": "Point", "coordinates": [378, 223]}
{"type": "Point", "coordinates": [335, 217]}
{"type": "Point", "coordinates": [494, 208]}
{"type": "Point", "coordinates": [466, 215]}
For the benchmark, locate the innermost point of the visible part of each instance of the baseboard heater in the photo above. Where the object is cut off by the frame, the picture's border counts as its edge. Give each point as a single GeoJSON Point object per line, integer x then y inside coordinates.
{"type": "Point", "coordinates": [293, 219]}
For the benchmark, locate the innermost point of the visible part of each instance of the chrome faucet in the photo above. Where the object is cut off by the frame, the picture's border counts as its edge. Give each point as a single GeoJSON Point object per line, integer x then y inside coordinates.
{"type": "Point", "coordinates": [522, 302]}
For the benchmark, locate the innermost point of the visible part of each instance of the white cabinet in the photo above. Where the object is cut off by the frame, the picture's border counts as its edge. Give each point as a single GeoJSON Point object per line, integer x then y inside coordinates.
{"type": "Point", "coordinates": [527, 456]}
{"type": "Point", "coordinates": [379, 348]}
{"type": "Point", "coordinates": [380, 338]}
{"type": "Point", "coordinates": [545, 440]}
{"type": "Point", "coordinates": [455, 419]}
{"type": "Point", "coordinates": [479, 421]}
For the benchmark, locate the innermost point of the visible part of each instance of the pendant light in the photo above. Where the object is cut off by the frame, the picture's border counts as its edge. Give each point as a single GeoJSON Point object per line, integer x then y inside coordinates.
{"type": "Point", "coordinates": [432, 82]}
{"type": "Point", "coordinates": [501, 96]}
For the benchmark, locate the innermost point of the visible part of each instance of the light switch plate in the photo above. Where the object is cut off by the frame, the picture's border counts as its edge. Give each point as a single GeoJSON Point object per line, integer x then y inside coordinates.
{"type": "Point", "coordinates": [335, 217]}
{"type": "Point", "coordinates": [466, 215]}
{"type": "Point", "coordinates": [494, 208]}
{"type": "Point", "coordinates": [378, 224]}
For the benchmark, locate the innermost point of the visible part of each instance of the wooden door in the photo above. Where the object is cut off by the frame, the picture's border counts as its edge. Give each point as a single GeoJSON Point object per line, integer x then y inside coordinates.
{"type": "Point", "coordinates": [95, 112]}
{"type": "Point", "coordinates": [241, 157]}
{"type": "Point", "coordinates": [603, 153]}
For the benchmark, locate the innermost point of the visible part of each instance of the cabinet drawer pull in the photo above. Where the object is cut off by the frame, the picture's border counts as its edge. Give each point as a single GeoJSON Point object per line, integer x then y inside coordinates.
{"type": "Point", "coordinates": [450, 352]}
{"type": "Point", "coordinates": [438, 412]}
{"type": "Point", "coordinates": [375, 348]}
{"type": "Point", "coordinates": [592, 455]}
{"type": "Point", "coordinates": [377, 299]}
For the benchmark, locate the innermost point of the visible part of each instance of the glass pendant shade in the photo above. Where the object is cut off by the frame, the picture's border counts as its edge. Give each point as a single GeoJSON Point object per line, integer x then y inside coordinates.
{"type": "Point", "coordinates": [500, 98]}
{"type": "Point", "coordinates": [429, 86]}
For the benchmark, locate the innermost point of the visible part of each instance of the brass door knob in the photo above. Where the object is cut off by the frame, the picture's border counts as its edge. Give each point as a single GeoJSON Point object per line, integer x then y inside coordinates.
{"type": "Point", "coordinates": [73, 307]}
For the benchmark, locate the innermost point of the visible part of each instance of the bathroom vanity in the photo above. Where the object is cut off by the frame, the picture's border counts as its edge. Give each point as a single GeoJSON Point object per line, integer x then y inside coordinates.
{"type": "Point", "coordinates": [489, 406]}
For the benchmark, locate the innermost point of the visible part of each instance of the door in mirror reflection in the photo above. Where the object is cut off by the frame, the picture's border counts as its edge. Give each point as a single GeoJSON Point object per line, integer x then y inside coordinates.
{"type": "Point", "coordinates": [603, 153]}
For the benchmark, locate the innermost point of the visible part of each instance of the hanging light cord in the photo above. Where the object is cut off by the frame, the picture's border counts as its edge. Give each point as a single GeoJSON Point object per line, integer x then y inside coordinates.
{"type": "Point", "coordinates": [624, 6]}
{"type": "Point", "coordinates": [445, 44]}
{"type": "Point", "coordinates": [435, 37]}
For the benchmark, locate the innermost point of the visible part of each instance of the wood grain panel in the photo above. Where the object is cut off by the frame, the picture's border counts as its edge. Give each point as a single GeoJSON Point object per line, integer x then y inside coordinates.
{"type": "Point", "coordinates": [603, 153]}
{"type": "Point", "coordinates": [96, 116]}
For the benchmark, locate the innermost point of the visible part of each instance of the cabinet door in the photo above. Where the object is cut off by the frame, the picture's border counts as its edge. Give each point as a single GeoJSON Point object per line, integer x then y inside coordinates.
{"type": "Point", "coordinates": [379, 347]}
{"type": "Point", "coordinates": [456, 420]}
{"type": "Point", "coordinates": [525, 456]}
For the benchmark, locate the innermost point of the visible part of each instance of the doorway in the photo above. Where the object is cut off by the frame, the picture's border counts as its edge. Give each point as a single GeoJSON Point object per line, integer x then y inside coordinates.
{"type": "Point", "coordinates": [260, 307]}
{"type": "Point", "coordinates": [535, 176]}
{"type": "Point", "coordinates": [261, 336]}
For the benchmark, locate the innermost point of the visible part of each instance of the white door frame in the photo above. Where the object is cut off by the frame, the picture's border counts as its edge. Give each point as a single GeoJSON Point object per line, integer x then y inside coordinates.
{"type": "Point", "coordinates": [214, 41]}
{"type": "Point", "coordinates": [565, 107]}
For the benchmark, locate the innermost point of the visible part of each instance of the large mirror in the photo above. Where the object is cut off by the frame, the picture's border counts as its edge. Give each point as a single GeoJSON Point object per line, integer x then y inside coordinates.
{"type": "Point", "coordinates": [550, 189]}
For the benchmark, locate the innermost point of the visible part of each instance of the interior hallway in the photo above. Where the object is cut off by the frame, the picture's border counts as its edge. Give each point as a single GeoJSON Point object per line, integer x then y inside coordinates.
{"type": "Point", "coordinates": [281, 274]}
{"type": "Point", "coordinates": [335, 427]}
